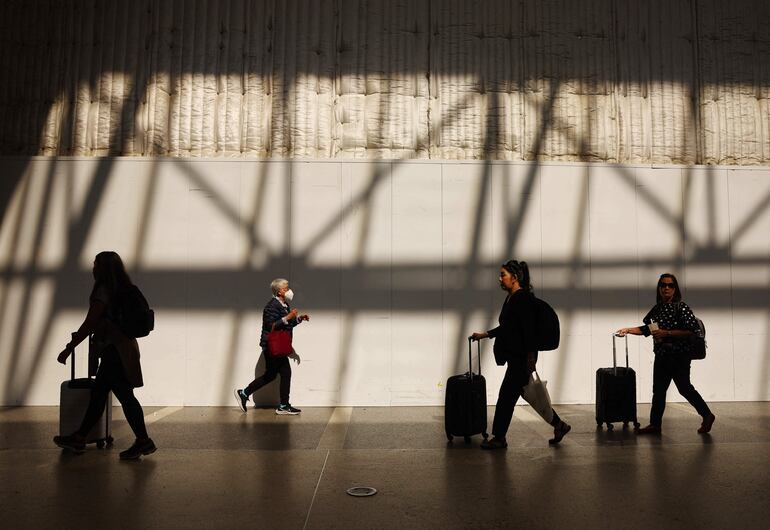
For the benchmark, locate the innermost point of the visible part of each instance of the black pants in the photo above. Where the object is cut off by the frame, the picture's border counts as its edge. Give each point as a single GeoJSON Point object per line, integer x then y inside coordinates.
{"type": "Point", "coordinates": [112, 377]}
{"type": "Point", "coordinates": [273, 367]}
{"type": "Point", "coordinates": [516, 378]}
{"type": "Point", "coordinates": [674, 366]}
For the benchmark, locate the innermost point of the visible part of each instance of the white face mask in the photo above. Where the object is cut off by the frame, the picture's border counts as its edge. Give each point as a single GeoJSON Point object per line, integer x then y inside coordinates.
{"type": "Point", "coordinates": [288, 295]}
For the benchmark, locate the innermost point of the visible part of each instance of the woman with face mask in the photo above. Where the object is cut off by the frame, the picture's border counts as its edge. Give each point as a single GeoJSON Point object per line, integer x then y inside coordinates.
{"type": "Point", "coordinates": [276, 315]}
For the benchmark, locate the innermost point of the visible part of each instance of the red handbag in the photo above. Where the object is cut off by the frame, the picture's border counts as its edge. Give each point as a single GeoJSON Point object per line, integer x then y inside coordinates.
{"type": "Point", "coordinates": [279, 343]}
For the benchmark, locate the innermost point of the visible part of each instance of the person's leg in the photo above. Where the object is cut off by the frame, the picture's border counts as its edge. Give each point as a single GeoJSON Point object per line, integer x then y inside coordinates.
{"type": "Point", "coordinates": [143, 445]}
{"type": "Point", "coordinates": [515, 378]}
{"type": "Point", "coordinates": [661, 379]}
{"type": "Point", "coordinates": [131, 407]}
{"type": "Point", "coordinates": [560, 428]}
{"type": "Point", "coordinates": [105, 377]}
{"type": "Point", "coordinates": [271, 371]}
{"type": "Point", "coordinates": [681, 375]}
{"type": "Point", "coordinates": [284, 369]}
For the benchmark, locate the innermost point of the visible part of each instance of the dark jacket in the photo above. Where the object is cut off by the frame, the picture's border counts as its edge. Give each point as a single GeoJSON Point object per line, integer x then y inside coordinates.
{"type": "Point", "coordinates": [513, 337]}
{"type": "Point", "coordinates": [273, 313]}
{"type": "Point", "coordinates": [676, 315]}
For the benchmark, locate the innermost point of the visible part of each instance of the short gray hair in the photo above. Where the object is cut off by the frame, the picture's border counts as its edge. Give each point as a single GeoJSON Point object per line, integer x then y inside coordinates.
{"type": "Point", "coordinates": [276, 284]}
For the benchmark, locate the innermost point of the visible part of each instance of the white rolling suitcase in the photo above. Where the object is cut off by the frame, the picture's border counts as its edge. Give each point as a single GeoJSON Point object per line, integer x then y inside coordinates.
{"type": "Point", "coordinates": [73, 402]}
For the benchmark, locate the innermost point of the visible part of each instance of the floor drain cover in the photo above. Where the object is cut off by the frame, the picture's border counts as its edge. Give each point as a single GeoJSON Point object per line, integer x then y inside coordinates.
{"type": "Point", "coordinates": [362, 491]}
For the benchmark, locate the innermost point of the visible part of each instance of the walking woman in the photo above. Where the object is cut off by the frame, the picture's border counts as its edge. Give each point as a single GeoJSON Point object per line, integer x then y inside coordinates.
{"type": "Point", "coordinates": [515, 345]}
{"type": "Point", "coordinates": [119, 368]}
{"type": "Point", "coordinates": [276, 315]}
{"type": "Point", "coordinates": [671, 323]}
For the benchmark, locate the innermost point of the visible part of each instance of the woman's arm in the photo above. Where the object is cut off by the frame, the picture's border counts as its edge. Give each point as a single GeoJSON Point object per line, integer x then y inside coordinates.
{"type": "Point", "coordinates": [629, 331]}
{"type": "Point", "coordinates": [95, 313]}
{"type": "Point", "coordinates": [273, 316]}
{"type": "Point", "coordinates": [675, 333]}
{"type": "Point", "coordinates": [491, 334]}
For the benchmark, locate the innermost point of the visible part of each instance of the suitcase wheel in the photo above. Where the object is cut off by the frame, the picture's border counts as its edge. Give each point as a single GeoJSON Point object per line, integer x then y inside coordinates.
{"type": "Point", "coordinates": [625, 425]}
{"type": "Point", "coordinates": [610, 426]}
{"type": "Point", "coordinates": [485, 435]}
{"type": "Point", "coordinates": [637, 425]}
{"type": "Point", "coordinates": [110, 439]}
{"type": "Point", "coordinates": [100, 444]}
{"type": "Point", "coordinates": [449, 437]}
{"type": "Point", "coordinates": [467, 439]}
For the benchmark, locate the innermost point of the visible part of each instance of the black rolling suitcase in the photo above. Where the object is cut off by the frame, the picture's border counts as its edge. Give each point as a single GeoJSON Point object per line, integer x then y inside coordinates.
{"type": "Point", "coordinates": [465, 404]}
{"type": "Point", "coordinates": [616, 392]}
{"type": "Point", "coordinates": [73, 402]}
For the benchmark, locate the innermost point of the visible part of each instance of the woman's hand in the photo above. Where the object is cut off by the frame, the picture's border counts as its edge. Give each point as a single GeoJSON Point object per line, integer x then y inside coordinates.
{"type": "Point", "coordinates": [62, 358]}
{"type": "Point", "coordinates": [479, 336]}
{"type": "Point", "coordinates": [622, 332]}
{"type": "Point", "coordinates": [660, 333]}
{"type": "Point", "coordinates": [303, 317]}
{"type": "Point", "coordinates": [292, 315]}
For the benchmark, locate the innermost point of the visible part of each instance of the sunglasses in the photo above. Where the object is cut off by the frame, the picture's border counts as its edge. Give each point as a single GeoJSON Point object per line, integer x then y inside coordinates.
{"type": "Point", "coordinates": [666, 285]}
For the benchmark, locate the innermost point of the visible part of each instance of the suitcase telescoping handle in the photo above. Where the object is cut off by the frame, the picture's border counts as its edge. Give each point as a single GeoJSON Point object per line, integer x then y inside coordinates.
{"type": "Point", "coordinates": [614, 354]}
{"type": "Point", "coordinates": [470, 359]}
{"type": "Point", "coordinates": [72, 365]}
{"type": "Point", "coordinates": [72, 356]}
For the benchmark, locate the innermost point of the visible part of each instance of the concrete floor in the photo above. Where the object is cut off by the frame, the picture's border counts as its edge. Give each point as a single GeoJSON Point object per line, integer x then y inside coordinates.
{"type": "Point", "coordinates": [220, 468]}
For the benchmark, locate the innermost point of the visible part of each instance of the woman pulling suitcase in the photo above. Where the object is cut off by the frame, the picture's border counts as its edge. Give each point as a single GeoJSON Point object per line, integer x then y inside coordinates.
{"type": "Point", "coordinates": [119, 368]}
{"type": "Point", "coordinates": [671, 323]}
{"type": "Point", "coordinates": [515, 345]}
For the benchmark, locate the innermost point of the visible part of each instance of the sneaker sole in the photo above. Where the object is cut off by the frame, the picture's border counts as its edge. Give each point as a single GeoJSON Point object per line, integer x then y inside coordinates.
{"type": "Point", "coordinates": [493, 447]}
{"type": "Point", "coordinates": [241, 405]}
{"type": "Point", "coordinates": [145, 453]}
{"type": "Point", "coordinates": [73, 449]}
{"type": "Point", "coordinates": [286, 413]}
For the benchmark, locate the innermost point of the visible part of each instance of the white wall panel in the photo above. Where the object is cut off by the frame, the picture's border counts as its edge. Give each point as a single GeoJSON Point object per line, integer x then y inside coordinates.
{"type": "Point", "coordinates": [396, 262]}
{"type": "Point", "coordinates": [749, 198]}
{"type": "Point", "coordinates": [566, 279]}
{"type": "Point", "coordinates": [416, 299]}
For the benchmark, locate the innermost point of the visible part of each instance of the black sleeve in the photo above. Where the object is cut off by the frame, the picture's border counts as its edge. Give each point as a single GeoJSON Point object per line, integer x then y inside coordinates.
{"type": "Point", "coordinates": [647, 320]}
{"type": "Point", "coordinates": [648, 317]}
{"type": "Point", "coordinates": [686, 319]}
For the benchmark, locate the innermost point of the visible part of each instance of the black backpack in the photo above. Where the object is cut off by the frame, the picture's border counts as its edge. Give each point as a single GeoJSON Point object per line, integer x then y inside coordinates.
{"type": "Point", "coordinates": [547, 332]}
{"type": "Point", "coordinates": [697, 342]}
{"type": "Point", "coordinates": [697, 347]}
{"type": "Point", "coordinates": [132, 313]}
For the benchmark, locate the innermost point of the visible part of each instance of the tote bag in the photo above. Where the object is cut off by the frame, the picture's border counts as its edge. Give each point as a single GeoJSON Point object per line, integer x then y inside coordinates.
{"type": "Point", "coordinates": [279, 343]}
{"type": "Point", "coordinates": [536, 394]}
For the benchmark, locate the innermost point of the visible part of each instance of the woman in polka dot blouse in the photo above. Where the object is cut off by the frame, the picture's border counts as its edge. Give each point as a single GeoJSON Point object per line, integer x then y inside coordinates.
{"type": "Point", "coordinates": [670, 323]}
